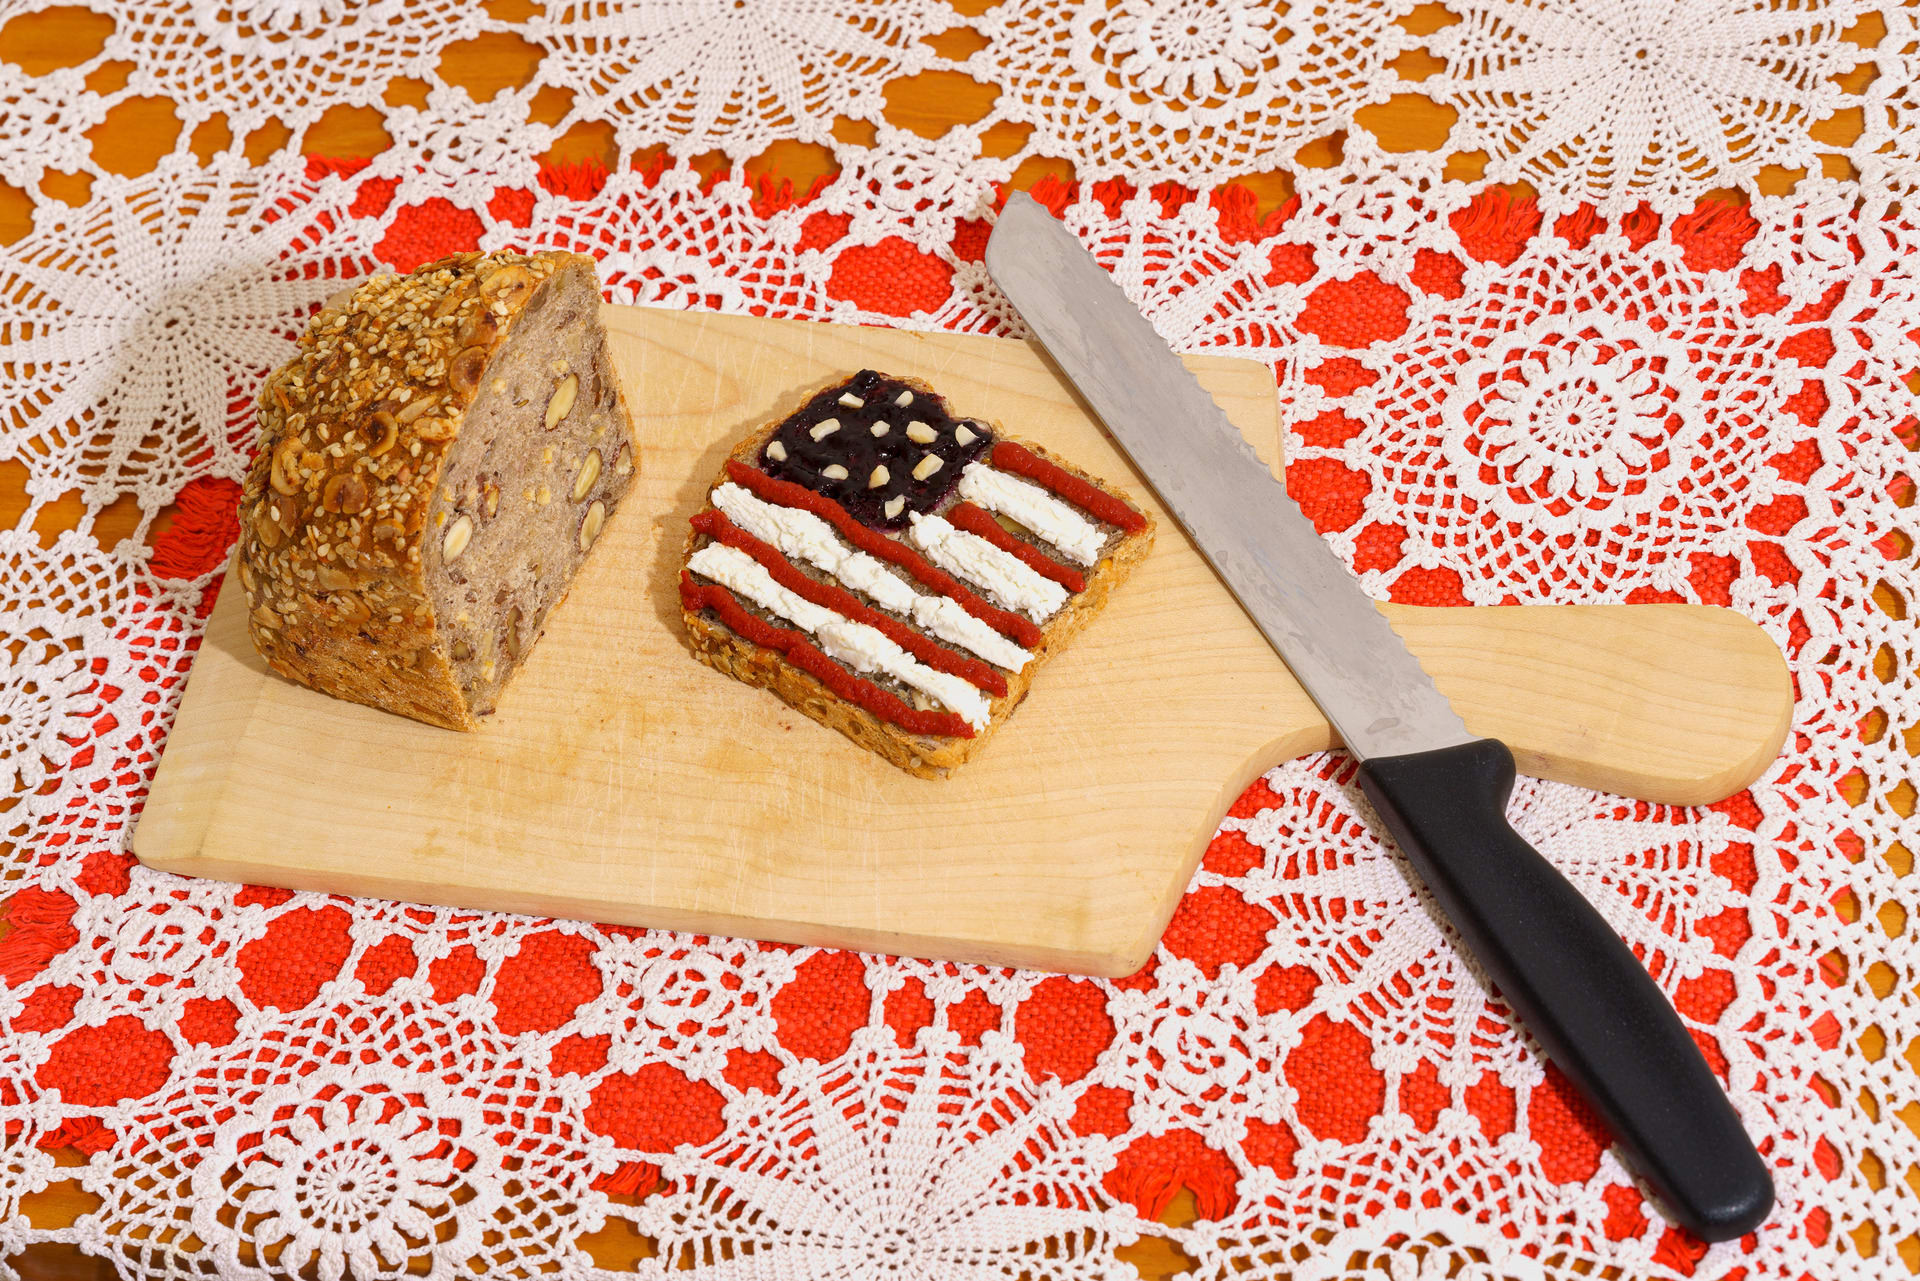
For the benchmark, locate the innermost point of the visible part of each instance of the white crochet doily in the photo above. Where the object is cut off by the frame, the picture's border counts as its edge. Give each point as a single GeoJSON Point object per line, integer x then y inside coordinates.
{"type": "Point", "coordinates": [1610, 409]}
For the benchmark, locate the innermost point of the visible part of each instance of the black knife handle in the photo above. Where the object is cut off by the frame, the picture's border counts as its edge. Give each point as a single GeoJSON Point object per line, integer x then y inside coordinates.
{"type": "Point", "coordinates": [1574, 983]}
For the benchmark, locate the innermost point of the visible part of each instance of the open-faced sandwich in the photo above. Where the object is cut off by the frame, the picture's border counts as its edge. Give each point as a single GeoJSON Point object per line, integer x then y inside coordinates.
{"type": "Point", "coordinates": [899, 573]}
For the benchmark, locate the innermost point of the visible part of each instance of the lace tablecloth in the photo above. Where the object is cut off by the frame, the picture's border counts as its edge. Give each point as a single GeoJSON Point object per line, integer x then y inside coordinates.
{"type": "Point", "coordinates": [1614, 393]}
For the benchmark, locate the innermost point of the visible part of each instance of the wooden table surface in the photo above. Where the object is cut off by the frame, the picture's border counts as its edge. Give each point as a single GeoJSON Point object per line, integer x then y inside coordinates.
{"type": "Point", "coordinates": [137, 134]}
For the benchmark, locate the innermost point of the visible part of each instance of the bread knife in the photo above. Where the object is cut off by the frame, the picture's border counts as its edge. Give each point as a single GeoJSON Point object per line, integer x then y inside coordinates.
{"type": "Point", "coordinates": [1440, 791]}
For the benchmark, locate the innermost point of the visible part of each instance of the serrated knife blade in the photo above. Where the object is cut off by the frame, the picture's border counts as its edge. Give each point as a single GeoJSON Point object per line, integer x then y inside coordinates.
{"type": "Point", "coordinates": [1292, 585]}
{"type": "Point", "coordinates": [1439, 791]}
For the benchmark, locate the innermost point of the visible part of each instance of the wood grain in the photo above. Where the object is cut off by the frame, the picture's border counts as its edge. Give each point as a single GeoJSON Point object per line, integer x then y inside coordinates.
{"type": "Point", "coordinates": [623, 782]}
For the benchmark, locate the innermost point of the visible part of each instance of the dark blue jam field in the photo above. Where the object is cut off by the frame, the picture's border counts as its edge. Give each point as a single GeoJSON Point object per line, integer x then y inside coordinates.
{"type": "Point", "coordinates": [833, 446]}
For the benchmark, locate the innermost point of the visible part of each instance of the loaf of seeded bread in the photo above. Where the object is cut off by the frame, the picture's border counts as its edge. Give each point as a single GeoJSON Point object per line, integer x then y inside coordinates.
{"type": "Point", "coordinates": [926, 755]}
{"type": "Point", "coordinates": [434, 466]}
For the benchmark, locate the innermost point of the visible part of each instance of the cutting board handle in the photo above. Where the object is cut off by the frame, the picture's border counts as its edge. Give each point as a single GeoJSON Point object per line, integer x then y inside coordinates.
{"type": "Point", "coordinates": [1679, 704]}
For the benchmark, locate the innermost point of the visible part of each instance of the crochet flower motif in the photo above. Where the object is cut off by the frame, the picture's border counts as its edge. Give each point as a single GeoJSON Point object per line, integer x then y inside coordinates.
{"type": "Point", "coordinates": [1584, 426]}
{"type": "Point", "coordinates": [1193, 52]}
{"type": "Point", "coordinates": [44, 706]}
{"type": "Point", "coordinates": [1579, 417]}
{"type": "Point", "coordinates": [730, 75]}
{"type": "Point", "coordinates": [379, 1141]}
{"type": "Point", "coordinates": [1203, 1052]}
{"type": "Point", "coordinates": [890, 1162]}
{"type": "Point", "coordinates": [438, 150]}
{"type": "Point", "coordinates": [691, 1005]}
{"type": "Point", "coordinates": [141, 322]}
{"type": "Point", "coordinates": [361, 1174]}
{"type": "Point", "coordinates": [922, 185]}
{"type": "Point", "coordinates": [1616, 103]}
{"type": "Point", "coordinates": [157, 945]}
{"type": "Point", "coordinates": [1203, 89]}
{"type": "Point", "coordinates": [45, 121]}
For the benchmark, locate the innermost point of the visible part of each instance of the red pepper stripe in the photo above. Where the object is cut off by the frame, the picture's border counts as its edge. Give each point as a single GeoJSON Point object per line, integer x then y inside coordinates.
{"type": "Point", "coordinates": [976, 520]}
{"type": "Point", "coordinates": [788, 494]}
{"type": "Point", "coordinates": [715, 525]}
{"type": "Point", "coordinates": [802, 654]}
{"type": "Point", "coordinates": [1022, 461]}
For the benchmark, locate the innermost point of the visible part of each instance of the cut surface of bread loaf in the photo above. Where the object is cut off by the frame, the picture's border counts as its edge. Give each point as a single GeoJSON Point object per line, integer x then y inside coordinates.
{"type": "Point", "coordinates": [435, 465]}
{"type": "Point", "coordinates": [898, 573]}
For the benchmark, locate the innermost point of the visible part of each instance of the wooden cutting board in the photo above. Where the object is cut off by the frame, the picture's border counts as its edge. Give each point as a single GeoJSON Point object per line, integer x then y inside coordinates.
{"type": "Point", "coordinates": [622, 781]}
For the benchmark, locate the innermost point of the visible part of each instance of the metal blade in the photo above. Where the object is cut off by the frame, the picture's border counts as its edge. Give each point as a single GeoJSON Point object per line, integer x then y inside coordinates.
{"type": "Point", "coordinates": [1295, 589]}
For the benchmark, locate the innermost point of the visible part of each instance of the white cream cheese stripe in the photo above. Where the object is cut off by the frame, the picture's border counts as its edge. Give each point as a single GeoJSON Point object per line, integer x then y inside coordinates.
{"type": "Point", "coordinates": [801, 535]}
{"type": "Point", "coordinates": [949, 620]}
{"type": "Point", "coordinates": [1050, 519]}
{"type": "Point", "coordinates": [1008, 581]}
{"type": "Point", "coordinates": [863, 648]}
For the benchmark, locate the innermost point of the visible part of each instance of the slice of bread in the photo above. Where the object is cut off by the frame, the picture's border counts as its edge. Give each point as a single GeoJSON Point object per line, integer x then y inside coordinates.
{"type": "Point", "coordinates": [897, 573]}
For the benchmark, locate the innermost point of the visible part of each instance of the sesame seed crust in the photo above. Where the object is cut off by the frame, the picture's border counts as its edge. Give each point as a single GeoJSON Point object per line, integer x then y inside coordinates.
{"type": "Point", "coordinates": [355, 431]}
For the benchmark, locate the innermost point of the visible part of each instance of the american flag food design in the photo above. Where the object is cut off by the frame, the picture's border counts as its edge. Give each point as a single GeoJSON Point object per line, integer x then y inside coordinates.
{"type": "Point", "coordinates": [898, 573]}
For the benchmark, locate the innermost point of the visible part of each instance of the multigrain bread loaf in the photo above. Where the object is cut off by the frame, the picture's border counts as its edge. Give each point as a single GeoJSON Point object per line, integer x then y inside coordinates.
{"type": "Point", "coordinates": [434, 467]}
{"type": "Point", "coordinates": [899, 574]}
